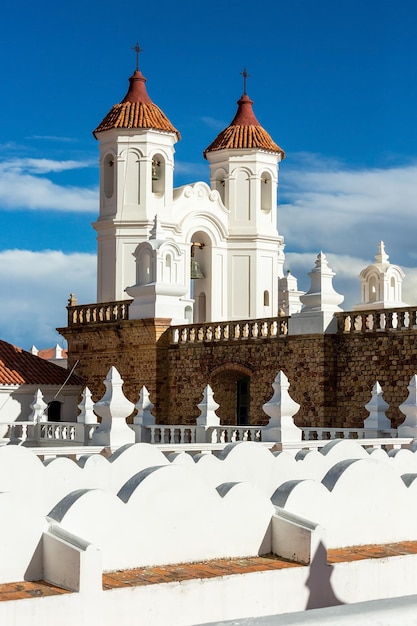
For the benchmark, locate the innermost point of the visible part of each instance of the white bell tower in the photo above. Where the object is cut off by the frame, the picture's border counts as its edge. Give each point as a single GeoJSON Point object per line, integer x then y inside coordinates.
{"type": "Point", "coordinates": [136, 182]}
{"type": "Point", "coordinates": [244, 170]}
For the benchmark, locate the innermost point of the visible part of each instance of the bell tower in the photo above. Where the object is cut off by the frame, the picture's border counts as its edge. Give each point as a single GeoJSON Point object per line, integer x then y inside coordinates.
{"type": "Point", "coordinates": [244, 170]}
{"type": "Point", "coordinates": [136, 183]}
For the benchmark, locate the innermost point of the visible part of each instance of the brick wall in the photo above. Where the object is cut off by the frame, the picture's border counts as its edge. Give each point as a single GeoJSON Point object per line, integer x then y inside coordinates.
{"type": "Point", "coordinates": [331, 376]}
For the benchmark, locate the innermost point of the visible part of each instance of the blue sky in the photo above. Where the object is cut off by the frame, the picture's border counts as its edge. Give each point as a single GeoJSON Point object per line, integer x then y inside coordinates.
{"type": "Point", "coordinates": [334, 83]}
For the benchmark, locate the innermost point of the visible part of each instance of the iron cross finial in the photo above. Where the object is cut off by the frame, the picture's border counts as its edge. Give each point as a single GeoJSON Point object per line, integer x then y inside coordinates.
{"type": "Point", "coordinates": [245, 78]}
{"type": "Point", "coordinates": [137, 49]}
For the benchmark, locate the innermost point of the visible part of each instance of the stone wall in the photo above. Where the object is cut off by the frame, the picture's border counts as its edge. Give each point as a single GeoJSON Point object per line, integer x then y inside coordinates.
{"type": "Point", "coordinates": [331, 376]}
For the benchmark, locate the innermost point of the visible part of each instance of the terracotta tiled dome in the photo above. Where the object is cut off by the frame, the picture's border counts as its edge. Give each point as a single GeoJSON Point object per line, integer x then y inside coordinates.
{"type": "Point", "coordinates": [136, 110]}
{"type": "Point", "coordinates": [244, 132]}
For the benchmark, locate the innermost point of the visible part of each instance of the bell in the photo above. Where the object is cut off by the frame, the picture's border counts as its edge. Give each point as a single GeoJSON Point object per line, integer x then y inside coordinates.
{"type": "Point", "coordinates": [154, 174]}
{"type": "Point", "coordinates": [195, 270]}
{"type": "Point", "coordinates": [155, 164]}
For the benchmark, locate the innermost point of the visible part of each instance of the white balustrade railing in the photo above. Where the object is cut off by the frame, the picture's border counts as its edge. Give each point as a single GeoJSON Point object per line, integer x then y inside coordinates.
{"type": "Point", "coordinates": [18, 432]}
{"type": "Point", "coordinates": [43, 433]}
{"type": "Point", "coordinates": [230, 331]}
{"type": "Point", "coordinates": [71, 432]}
{"type": "Point", "coordinates": [377, 320]}
{"type": "Point", "coordinates": [166, 434]}
{"type": "Point", "coordinates": [231, 434]}
{"type": "Point", "coordinates": [98, 313]}
{"type": "Point", "coordinates": [320, 434]}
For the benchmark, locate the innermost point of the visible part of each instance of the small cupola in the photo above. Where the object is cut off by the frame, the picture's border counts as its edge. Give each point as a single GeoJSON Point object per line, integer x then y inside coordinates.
{"type": "Point", "coordinates": [381, 283]}
{"type": "Point", "coordinates": [136, 110]}
{"type": "Point", "coordinates": [244, 132]}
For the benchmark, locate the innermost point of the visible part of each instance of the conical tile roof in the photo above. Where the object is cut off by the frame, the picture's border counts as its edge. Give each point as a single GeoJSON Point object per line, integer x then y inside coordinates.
{"type": "Point", "coordinates": [244, 132]}
{"type": "Point", "coordinates": [136, 111]}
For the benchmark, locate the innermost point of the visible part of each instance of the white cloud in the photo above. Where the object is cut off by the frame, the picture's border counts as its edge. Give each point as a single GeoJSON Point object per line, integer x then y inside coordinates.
{"type": "Point", "coordinates": [22, 187]}
{"type": "Point", "coordinates": [27, 192]}
{"type": "Point", "coordinates": [347, 212]}
{"type": "Point", "coordinates": [35, 287]}
{"type": "Point", "coordinates": [42, 166]}
{"type": "Point", "coordinates": [346, 280]}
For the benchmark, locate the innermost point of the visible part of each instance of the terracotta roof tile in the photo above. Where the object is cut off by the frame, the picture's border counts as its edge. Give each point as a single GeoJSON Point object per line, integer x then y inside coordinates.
{"type": "Point", "coordinates": [50, 353]}
{"type": "Point", "coordinates": [18, 367]}
{"type": "Point", "coordinates": [136, 110]}
{"type": "Point", "coordinates": [244, 132]}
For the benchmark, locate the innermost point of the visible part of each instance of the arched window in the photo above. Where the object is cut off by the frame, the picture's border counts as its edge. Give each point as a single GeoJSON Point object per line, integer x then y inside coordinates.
{"type": "Point", "coordinates": [168, 269]}
{"type": "Point", "coordinates": [188, 314]}
{"type": "Point", "coordinates": [143, 268]}
{"type": "Point", "coordinates": [266, 297]}
{"type": "Point", "coordinates": [392, 294]}
{"type": "Point", "coordinates": [372, 289]}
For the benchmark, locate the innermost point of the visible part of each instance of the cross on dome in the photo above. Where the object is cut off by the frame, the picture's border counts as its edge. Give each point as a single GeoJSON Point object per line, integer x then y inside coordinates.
{"type": "Point", "coordinates": [137, 49]}
{"type": "Point", "coordinates": [245, 77]}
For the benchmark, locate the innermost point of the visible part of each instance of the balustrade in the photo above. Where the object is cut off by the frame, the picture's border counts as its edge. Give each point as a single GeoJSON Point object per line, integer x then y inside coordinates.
{"type": "Point", "coordinates": [98, 313]}
{"type": "Point", "coordinates": [230, 331]}
{"type": "Point", "coordinates": [164, 434]}
{"type": "Point", "coordinates": [377, 320]}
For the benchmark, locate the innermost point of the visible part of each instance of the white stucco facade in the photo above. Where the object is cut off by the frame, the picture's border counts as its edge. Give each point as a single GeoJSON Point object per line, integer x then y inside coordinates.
{"type": "Point", "coordinates": [148, 232]}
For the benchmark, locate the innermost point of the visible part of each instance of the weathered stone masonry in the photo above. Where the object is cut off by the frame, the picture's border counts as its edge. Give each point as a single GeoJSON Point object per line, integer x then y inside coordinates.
{"type": "Point", "coordinates": [331, 376]}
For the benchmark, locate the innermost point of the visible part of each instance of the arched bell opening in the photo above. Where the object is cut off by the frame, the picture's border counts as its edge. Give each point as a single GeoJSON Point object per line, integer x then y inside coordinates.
{"type": "Point", "coordinates": [266, 192]}
{"type": "Point", "coordinates": [200, 276]}
{"type": "Point", "coordinates": [158, 174]}
{"type": "Point", "coordinates": [108, 175]}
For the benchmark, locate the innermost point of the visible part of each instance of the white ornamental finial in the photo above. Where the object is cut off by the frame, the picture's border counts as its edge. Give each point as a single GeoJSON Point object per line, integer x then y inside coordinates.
{"type": "Point", "coordinates": [86, 406]}
{"type": "Point", "coordinates": [382, 256]}
{"type": "Point", "coordinates": [39, 408]}
{"type": "Point", "coordinates": [144, 407]}
{"type": "Point", "coordinates": [113, 408]}
{"type": "Point", "coordinates": [281, 408]}
{"type": "Point", "coordinates": [377, 422]}
{"type": "Point", "coordinates": [208, 408]}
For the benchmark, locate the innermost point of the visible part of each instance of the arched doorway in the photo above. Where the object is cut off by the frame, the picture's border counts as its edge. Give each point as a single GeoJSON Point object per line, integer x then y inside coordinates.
{"type": "Point", "coordinates": [231, 386]}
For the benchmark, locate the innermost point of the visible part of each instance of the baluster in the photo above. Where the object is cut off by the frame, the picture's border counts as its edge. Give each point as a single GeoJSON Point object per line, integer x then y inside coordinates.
{"type": "Point", "coordinates": [389, 320]}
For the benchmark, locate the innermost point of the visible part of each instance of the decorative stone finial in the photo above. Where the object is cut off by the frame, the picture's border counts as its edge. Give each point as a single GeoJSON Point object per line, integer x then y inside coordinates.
{"type": "Point", "coordinates": [377, 421]}
{"type": "Point", "coordinates": [320, 302]}
{"type": "Point", "coordinates": [381, 256]}
{"type": "Point", "coordinates": [281, 408]}
{"type": "Point", "coordinates": [86, 406]}
{"type": "Point", "coordinates": [39, 408]}
{"type": "Point", "coordinates": [208, 408]}
{"type": "Point", "coordinates": [144, 407]}
{"type": "Point", "coordinates": [72, 300]}
{"type": "Point", "coordinates": [113, 409]}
